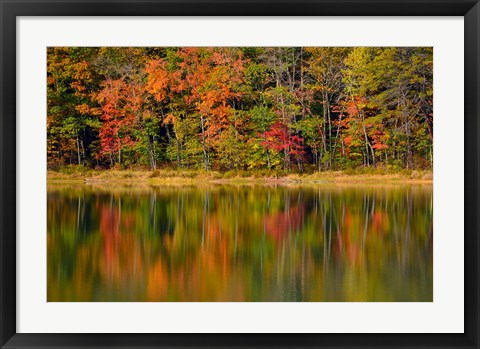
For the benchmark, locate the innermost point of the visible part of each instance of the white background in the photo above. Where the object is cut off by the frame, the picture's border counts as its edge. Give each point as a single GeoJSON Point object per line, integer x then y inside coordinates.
{"type": "Point", "coordinates": [445, 314]}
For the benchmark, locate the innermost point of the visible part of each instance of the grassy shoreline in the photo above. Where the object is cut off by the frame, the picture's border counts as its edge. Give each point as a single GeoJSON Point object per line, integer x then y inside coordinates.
{"type": "Point", "coordinates": [370, 176]}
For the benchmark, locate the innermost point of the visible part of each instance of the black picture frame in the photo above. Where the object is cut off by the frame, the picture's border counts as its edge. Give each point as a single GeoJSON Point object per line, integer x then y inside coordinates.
{"type": "Point", "coordinates": [9, 338]}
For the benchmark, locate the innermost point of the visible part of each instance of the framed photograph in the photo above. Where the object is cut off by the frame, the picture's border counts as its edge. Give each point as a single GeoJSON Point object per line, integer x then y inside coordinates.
{"type": "Point", "coordinates": [239, 174]}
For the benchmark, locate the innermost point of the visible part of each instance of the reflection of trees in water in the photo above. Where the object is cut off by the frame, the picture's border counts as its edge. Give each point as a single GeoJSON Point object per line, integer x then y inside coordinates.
{"type": "Point", "coordinates": [240, 243]}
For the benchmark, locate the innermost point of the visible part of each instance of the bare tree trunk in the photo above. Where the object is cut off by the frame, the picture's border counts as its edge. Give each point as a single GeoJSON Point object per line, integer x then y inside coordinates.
{"type": "Point", "coordinates": [177, 145]}
{"type": "Point", "coordinates": [83, 148]}
{"type": "Point", "coordinates": [336, 138]}
{"type": "Point", "coordinates": [407, 133]}
{"type": "Point", "coordinates": [368, 146]}
{"type": "Point", "coordinates": [78, 150]}
{"type": "Point", "coordinates": [429, 126]}
{"type": "Point", "coordinates": [324, 136]}
{"type": "Point", "coordinates": [205, 156]}
{"type": "Point", "coordinates": [154, 154]}
{"type": "Point", "coordinates": [329, 132]}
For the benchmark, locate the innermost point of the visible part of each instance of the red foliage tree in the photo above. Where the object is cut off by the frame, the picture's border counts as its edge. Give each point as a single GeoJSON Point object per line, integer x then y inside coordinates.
{"type": "Point", "coordinates": [120, 103]}
{"type": "Point", "coordinates": [280, 139]}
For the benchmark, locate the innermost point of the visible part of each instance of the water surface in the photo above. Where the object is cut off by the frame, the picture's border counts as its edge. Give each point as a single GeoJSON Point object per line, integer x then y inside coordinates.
{"type": "Point", "coordinates": [239, 243]}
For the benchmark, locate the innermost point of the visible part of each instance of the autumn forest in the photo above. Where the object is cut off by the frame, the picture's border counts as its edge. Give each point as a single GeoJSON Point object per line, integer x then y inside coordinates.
{"type": "Point", "coordinates": [294, 109]}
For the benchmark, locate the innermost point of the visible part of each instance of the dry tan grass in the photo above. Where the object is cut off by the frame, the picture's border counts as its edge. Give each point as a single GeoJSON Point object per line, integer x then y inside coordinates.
{"type": "Point", "coordinates": [161, 177]}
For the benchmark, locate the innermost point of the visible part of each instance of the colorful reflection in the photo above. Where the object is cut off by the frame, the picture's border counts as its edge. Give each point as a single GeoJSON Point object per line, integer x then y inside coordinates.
{"type": "Point", "coordinates": [240, 243]}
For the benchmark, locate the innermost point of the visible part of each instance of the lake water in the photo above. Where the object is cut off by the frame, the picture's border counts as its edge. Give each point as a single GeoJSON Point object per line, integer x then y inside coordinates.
{"type": "Point", "coordinates": [240, 243]}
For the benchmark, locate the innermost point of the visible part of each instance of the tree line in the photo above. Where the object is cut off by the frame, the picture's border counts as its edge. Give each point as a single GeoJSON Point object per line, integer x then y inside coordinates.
{"type": "Point", "coordinates": [240, 108]}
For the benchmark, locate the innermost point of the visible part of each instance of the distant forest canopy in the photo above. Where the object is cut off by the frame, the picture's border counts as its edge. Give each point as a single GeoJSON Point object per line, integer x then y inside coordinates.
{"type": "Point", "coordinates": [240, 108]}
